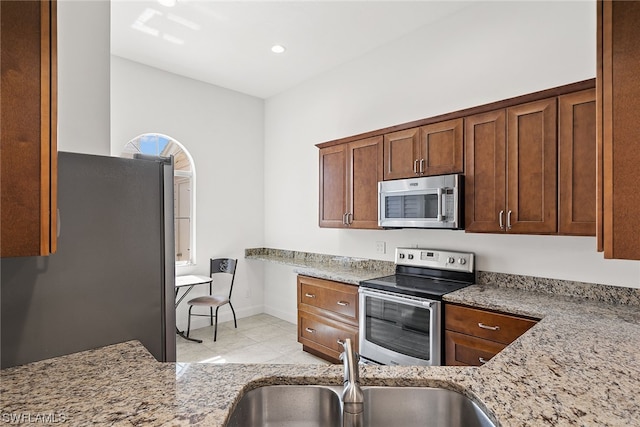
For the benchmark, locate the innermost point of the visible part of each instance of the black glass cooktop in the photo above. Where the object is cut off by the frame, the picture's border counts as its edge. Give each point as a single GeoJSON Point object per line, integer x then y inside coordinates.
{"type": "Point", "coordinates": [420, 286]}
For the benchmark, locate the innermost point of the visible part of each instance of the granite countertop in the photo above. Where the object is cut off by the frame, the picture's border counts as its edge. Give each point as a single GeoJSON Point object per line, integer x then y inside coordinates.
{"type": "Point", "coordinates": [579, 366]}
{"type": "Point", "coordinates": [331, 267]}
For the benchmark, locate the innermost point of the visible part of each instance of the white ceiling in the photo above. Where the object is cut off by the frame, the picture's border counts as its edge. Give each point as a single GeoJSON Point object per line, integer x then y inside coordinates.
{"type": "Point", "coordinates": [228, 43]}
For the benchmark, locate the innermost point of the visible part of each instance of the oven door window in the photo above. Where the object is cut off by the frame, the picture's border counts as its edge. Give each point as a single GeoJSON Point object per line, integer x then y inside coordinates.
{"type": "Point", "coordinates": [398, 327]}
{"type": "Point", "coordinates": [412, 206]}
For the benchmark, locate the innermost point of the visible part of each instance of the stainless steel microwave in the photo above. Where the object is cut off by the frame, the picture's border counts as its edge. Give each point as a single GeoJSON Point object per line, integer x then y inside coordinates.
{"type": "Point", "coordinates": [425, 202]}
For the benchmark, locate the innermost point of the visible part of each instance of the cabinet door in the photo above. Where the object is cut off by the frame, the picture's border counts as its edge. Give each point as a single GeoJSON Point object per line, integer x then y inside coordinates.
{"type": "Point", "coordinates": [532, 168]}
{"type": "Point", "coordinates": [401, 154]}
{"type": "Point", "coordinates": [333, 186]}
{"type": "Point", "coordinates": [485, 178]}
{"type": "Point", "coordinates": [363, 173]}
{"type": "Point", "coordinates": [618, 109]}
{"type": "Point", "coordinates": [577, 163]}
{"type": "Point", "coordinates": [28, 128]}
{"type": "Point", "coordinates": [466, 350]}
{"type": "Point", "coordinates": [441, 148]}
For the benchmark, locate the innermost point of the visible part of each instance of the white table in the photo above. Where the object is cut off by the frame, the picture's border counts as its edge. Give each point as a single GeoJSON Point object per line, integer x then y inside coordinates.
{"type": "Point", "coordinates": [188, 282]}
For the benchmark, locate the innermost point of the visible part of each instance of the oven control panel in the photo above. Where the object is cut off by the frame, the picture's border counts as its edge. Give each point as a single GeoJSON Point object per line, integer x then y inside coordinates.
{"type": "Point", "coordinates": [434, 258]}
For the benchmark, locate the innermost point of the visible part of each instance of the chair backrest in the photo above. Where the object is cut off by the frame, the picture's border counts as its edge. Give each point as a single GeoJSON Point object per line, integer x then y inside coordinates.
{"type": "Point", "coordinates": [223, 265]}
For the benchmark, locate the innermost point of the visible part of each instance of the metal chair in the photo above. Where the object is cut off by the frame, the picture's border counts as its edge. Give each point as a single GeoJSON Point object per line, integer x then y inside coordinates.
{"type": "Point", "coordinates": [217, 266]}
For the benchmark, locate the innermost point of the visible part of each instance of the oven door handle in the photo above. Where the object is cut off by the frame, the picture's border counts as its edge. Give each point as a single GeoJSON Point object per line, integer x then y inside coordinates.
{"type": "Point", "coordinates": [388, 296]}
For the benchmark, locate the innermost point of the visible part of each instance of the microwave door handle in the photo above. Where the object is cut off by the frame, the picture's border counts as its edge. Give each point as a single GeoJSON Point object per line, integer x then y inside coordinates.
{"type": "Point", "coordinates": [441, 205]}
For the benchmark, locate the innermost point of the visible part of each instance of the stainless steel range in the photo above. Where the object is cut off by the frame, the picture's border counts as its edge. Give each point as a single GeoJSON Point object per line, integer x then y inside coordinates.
{"type": "Point", "coordinates": [401, 314]}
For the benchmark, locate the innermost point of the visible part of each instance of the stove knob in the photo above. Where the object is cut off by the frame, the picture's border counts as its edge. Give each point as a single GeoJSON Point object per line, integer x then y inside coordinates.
{"type": "Point", "coordinates": [410, 256]}
{"type": "Point", "coordinates": [451, 260]}
{"type": "Point", "coordinates": [462, 261]}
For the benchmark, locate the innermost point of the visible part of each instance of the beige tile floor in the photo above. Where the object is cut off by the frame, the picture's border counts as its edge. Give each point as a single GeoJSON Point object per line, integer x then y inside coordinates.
{"type": "Point", "coordinates": [259, 339]}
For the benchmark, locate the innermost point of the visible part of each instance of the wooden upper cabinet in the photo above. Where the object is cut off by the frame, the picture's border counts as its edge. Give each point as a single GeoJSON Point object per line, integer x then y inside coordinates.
{"type": "Point", "coordinates": [486, 169]}
{"type": "Point", "coordinates": [511, 181]}
{"type": "Point", "coordinates": [618, 109]}
{"type": "Point", "coordinates": [28, 125]}
{"type": "Point", "coordinates": [401, 154]}
{"type": "Point", "coordinates": [333, 186]}
{"type": "Point", "coordinates": [577, 163]}
{"type": "Point", "coordinates": [364, 171]}
{"type": "Point", "coordinates": [434, 149]}
{"type": "Point", "coordinates": [532, 168]}
{"type": "Point", "coordinates": [349, 175]}
{"type": "Point", "coordinates": [441, 148]}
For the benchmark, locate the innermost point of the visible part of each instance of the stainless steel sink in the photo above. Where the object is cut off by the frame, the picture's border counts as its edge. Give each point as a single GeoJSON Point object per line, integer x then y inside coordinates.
{"type": "Point", "coordinates": [310, 406]}
{"type": "Point", "coordinates": [420, 406]}
{"type": "Point", "coordinates": [289, 405]}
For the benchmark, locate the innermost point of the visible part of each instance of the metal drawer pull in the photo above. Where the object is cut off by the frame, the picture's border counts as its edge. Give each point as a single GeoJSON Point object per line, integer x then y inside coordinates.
{"type": "Point", "coordinates": [341, 342]}
{"type": "Point", "coordinates": [311, 331]}
{"type": "Point", "coordinates": [309, 295]}
{"type": "Point", "coordinates": [415, 166]}
{"type": "Point", "coordinates": [482, 360]}
{"type": "Point", "coordinates": [343, 303]}
{"type": "Point", "coordinates": [500, 220]}
{"type": "Point", "coordinates": [509, 220]}
{"type": "Point", "coordinates": [491, 328]}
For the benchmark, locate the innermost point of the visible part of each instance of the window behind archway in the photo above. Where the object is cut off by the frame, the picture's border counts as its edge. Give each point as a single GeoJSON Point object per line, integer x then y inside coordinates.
{"type": "Point", "coordinates": [183, 185]}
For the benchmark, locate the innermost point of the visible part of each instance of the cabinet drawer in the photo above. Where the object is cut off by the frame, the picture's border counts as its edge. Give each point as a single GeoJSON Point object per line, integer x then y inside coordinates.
{"type": "Point", "coordinates": [324, 335]}
{"type": "Point", "coordinates": [466, 350]}
{"type": "Point", "coordinates": [334, 297]}
{"type": "Point", "coordinates": [501, 328]}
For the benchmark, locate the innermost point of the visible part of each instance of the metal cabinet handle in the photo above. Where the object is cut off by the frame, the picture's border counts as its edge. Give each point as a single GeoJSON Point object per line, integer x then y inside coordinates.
{"type": "Point", "coordinates": [482, 360]}
{"type": "Point", "coordinates": [491, 328]}
{"type": "Point", "coordinates": [500, 220]}
{"type": "Point", "coordinates": [311, 331]}
{"type": "Point", "coordinates": [343, 303]}
{"type": "Point", "coordinates": [344, 218]}
{"type": "Point", "coordinates": [308, 295]}
{"type": "Point", "coordinates": [415, 166]}
{"type": "Point", "coordinates": [349, 218]}
{"type": "Point", "coordinates": [509, 220]}
{"type": "Point", "coordinates": [421, 164]}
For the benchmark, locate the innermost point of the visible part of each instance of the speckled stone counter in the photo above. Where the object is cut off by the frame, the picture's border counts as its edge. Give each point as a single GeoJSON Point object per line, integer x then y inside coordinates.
{"type": "Point", "coordinates": [331, 267]}
{"type": "Point", "coordinates": [579, 366]}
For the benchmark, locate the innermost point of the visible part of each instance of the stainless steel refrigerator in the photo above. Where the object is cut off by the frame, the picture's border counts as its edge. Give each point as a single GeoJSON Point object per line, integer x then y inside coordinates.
{"type": "Point", "coordinates": [112, 277]}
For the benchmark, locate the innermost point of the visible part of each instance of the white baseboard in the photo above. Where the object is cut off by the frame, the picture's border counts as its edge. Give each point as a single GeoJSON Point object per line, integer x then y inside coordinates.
{"type": "Point", "coordinates": [281, 314]}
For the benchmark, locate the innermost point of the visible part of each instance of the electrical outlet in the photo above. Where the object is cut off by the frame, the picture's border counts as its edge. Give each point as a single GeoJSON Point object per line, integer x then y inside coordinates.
{"type": "Point", "coordinates": [381, 247]}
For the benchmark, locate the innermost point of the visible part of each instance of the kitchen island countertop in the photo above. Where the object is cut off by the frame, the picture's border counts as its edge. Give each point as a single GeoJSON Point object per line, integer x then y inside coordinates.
{"type": "Point", "coordinates": [579, 365]}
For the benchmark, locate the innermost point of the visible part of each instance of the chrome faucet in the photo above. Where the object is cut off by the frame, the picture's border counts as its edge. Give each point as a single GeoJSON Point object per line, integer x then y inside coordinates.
{"type": "Point", "coordinates": [352, 397]}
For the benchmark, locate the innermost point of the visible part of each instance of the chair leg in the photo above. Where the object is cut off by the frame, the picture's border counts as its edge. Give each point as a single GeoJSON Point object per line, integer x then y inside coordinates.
{"type": "Point", "coordinates": [211, 315]}
{"type": "Point", "coordinates": [215, 330]}
{"type": "Point", "coordinates": [235, 322]}
{"type": "Point", "coordinates": [189, 321]}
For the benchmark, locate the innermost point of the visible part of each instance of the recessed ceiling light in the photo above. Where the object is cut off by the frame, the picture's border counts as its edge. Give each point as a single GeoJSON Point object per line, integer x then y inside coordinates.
{"type": "Point", "coordinates": [276, 48]}
{"type": "Point", "coordinates": [168, 3]}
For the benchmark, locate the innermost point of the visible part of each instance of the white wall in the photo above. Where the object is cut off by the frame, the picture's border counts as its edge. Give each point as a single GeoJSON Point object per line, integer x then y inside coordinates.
{"type": "Point", "coordinates": [223, 131]}
{"type": "Point", "coordinates": [487, 52]}
{"type": "Point", "coordinates": [83, 76]}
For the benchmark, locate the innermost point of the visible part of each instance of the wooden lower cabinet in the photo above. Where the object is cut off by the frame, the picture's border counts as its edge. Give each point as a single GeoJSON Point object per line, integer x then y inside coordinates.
{"type": "Point", "coordinates": [473, 336]}
{"type": "Point", "coordinates": [327, 315]}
